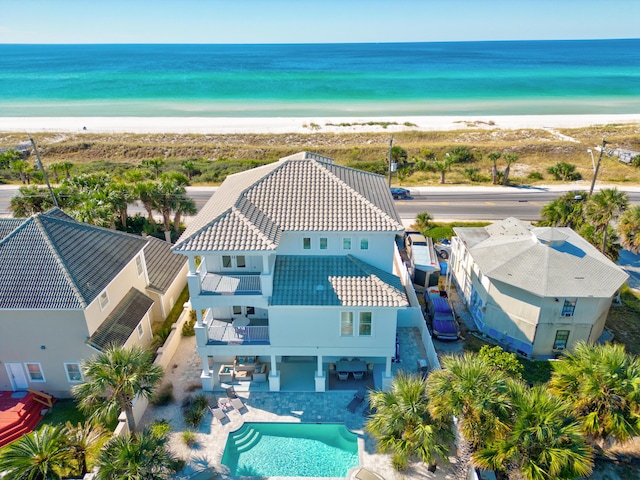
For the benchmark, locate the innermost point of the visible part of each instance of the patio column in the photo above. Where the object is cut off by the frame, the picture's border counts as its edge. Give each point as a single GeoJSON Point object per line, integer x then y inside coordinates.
{"type": "Point", "coordinates": [274, 376]}
{"type": "Point", "coordinates": [206, 377]}
{"type": "Point", "coordinates": [387, 378]}
{"type": "Point", "coordinates": [321, 383]}
{"type": "Point", "coordinates": [192, 264]}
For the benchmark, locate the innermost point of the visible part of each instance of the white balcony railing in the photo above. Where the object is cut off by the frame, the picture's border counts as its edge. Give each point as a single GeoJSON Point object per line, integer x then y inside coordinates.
{"type": "Point", "coordinates": [215, 284]}
{"type": "Point", "coordinates": [238, 335]}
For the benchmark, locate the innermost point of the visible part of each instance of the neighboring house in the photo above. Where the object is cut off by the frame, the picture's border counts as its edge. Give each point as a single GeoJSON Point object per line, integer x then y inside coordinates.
{"type": "Point", "coordinates": [536, 291]}
{"type": "Point", "coordinates": [68, 289]}
{"type": "Point", "coordinates": [296, 264]}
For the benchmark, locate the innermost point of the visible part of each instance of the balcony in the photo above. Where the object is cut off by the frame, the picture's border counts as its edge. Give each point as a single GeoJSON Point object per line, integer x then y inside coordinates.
{"type": "Point", "coordinates": [215, 284]}
{"type": "Point", "coordinates": [223, 332]}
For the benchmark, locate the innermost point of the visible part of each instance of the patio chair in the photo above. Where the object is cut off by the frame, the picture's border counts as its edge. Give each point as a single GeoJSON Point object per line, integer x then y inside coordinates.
{"type": "Point", "coordinates": [231, 392]}
{"type": "Point", "coordinates": [358, 375]}
{"type": "Point", "coordinates": [343, 375]}
{"type": "Point", "coordinates": [218, 413]}
{"type": "Point", "coordinates": [238, 404]}
{"type": "Point", "coordinates": [356, 401]}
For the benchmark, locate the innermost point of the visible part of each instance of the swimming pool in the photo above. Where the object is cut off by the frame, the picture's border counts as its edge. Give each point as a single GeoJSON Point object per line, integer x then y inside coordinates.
{"type": "Point", "coordinates": [291, 450]}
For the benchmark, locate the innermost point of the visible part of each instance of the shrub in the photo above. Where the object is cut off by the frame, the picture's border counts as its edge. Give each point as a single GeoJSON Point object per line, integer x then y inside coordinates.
{"type": "Point", "coordinates": [189, 438]}
{"type": "Point", "coordinates": [163, 394]}
{"type": "Point", "coordinates": [188, 329]}
{"type": "Point", "coordinates": [564, 171]}
{"type": "Point", "coordinates": [160, 428]}
{"type": "Point", "coordinates": [535, 176]}
{"type": "Point", "coordinates": [193, 416]}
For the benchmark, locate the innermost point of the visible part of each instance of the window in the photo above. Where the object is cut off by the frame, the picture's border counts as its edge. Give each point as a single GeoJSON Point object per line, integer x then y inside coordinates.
{"type": "Point", "coordinates": [226, 261]}
{"type": "Point", "coordinates": [364, 326]}
{"type": "Point", "coordinates": [139, 268]}
{"type": "Point", "coordinates": [104, 300]}
{"type": "Point", "coordinates": [251, 311]}
{"type": "Point", "coordinates": [35, 372]}
{"type": "Point", "coordinates": [140, 330]}
{"type": "Point", "coordinates": [560, 343]}
{"type": "Point", "coordinates": [346, 243]}
{"type": "Point", "coordinates": [240, 261]}
{"type": "Point", "coordinates": [568, 308]}
{"type": "Point", "coordinates": [364, 244]}
{"type": "Point", "coordinates": [306, 243]}
{"type": "Point", "coordinates": [237, 310]}
{"type": "Point", "coordinates": [324, 242]}
{"type": "Point", "coordinates": [74, 373]}
{"type": "Point", "coordinates": [346, 324]}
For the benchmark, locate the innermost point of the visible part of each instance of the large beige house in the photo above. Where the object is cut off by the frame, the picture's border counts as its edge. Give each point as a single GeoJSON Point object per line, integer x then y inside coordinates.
{"type": "Point", "coordinates": [292, 263]}
{"type": "Point", "coordinates": [536, 291]}
{"type": "Point", "coordinates": [68, 289]}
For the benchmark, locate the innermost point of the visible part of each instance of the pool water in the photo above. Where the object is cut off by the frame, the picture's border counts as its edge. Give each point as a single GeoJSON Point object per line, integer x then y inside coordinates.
{"type": "Point", "coordinates": [291, 450]}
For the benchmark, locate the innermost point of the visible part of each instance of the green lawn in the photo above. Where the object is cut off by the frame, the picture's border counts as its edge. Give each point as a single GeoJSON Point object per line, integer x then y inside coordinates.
{"type": "Point", "coordinates": [63, 410]}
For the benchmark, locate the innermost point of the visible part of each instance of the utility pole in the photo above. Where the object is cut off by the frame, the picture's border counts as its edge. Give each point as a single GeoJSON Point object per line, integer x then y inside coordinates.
{"type": "Point", "coordinates": [44, 173]}
{"type": "Point", "coordinates": [595, 171]}
{"type": "Point", "coordinates": [390, 159]}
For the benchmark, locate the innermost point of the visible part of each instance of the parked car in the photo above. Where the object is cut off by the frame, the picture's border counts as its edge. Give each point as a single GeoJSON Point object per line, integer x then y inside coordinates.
{"type": "Point", "coordinates": [400, 193]}
{"type": "Point", "coordinates": [444, 327]}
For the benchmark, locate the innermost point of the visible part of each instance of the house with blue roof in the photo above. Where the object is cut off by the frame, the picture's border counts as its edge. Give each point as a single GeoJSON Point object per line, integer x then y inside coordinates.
{"type": "Point", "coordinates": [68, 290]}
{"type": "Point", "coordinates": [293, 263]}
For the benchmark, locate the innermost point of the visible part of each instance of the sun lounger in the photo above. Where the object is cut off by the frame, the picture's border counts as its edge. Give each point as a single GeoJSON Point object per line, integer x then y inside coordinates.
{"type": "Point", "coordinates": [237, 403]}
{"type": "Point", "coordinates": [219, 414]}
{"type": "Point", "coordinates": [363, 474]}
{"type": "Point", "coordinates": [356, 401]}
{"type": "Point", "coordinates": [231, 393]}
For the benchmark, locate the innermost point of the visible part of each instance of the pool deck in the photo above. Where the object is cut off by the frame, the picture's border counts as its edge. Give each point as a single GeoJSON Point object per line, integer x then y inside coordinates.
{"type": "Point", "coordinates": [289, 406]}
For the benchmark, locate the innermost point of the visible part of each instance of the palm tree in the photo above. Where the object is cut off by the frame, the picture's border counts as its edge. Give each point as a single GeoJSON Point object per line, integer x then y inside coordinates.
{"type": "Point", "coordinates": [544, 440]}
{"type": "Point", "coordinates": [473, 391]}
{"type": "Point", "coordinates": [67, 166]}
{"type": "Point", "coordinates": [629, 229]}
{"type": "Point", "coordinates": [30, 200]}
{"type": "Point", "coordinates": [604, 207]}
{"type": "Point", "coordinates": [57, 169]}
{"type": "Point", "coordinates": [39, 455]}
{"type": "Point", "coordinates": [600, 384]}
{"type": "Point", "coordinates": [141, 456]}
{"type": "Point", "coordinates": [442, 166]}
{"type": "Point", "coordinates": [171, 192]}
{"type": "Point", "coordinates": [183, 206]}
{"type": "Point", "coordinates": [9, 156]}
{"type": "Point", "coordinates": [510, 158]}
{"type": "Point", "coordinates": [116, 377]}
{"type": "Point", "coordinates": [494, 156]}
{"type": "Point", "coordinates": [403, 426]}
{"type": "Point", "coordinates": [21, 167]}
{"type": "Point", "coordinates": [190, 167]}
{"type": "Point", "coordinates": [155, 164]}
{"type": "Point", "coordinates": [81, 439]}
{"type": "Point", "coordinates": [564, 211]}
{"type": "Point", "coordinates": [120, 196]}
{"type": "Point", "coordinates": [147, 193]}
{"type": "Point", "coordinates": [422, 221]}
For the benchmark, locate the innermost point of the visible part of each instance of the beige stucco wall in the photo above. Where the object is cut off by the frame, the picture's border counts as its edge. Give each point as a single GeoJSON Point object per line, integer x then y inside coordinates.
{"type": "Point", "coordinates": [163, 303]}
{"type": "Point", "coordinates": [62, 333]}
{"type": "Point", "coordinates": [116, 291]}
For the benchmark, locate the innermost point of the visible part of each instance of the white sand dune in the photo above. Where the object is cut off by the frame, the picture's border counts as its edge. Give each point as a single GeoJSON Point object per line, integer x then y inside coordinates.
{"type": "Point", "coordinates": [276, 125]}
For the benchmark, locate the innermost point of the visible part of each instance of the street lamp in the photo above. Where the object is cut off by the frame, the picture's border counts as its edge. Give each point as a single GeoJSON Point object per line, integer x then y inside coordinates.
{"type": "Point", "coordinates": [597, 167]}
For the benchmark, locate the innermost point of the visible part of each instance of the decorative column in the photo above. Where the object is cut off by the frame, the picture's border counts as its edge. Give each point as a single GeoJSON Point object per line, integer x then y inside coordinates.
{"type": "Point", "coordinates": [321, 382]}
{"type": "Point", "coordinates": [274, 376]}
{"type": "Point", "coordinates": [387, 378]}
{"type": "Point", "coordinates": [206, 377]}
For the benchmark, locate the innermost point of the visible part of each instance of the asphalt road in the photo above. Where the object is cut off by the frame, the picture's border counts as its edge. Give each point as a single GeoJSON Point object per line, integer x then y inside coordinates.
{"type": "Point", "coordinates": [442, 203]}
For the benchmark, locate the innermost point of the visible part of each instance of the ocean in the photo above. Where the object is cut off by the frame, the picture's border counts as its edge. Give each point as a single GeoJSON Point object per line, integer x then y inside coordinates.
{"type": "Point", "coordinates": [453, 78]}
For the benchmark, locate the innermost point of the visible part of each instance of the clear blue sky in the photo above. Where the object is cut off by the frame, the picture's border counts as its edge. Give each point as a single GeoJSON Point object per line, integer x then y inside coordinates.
{"type": "Point", "coordinates": [317, 21]}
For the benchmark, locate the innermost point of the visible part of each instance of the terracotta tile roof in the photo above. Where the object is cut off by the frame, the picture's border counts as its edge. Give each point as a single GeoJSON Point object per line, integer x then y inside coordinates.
{"type": "Point", "coordinates": [51, 261]}
{"type": "Point", "coordinates": [334, 281]}
{"type": "Point", "coordinates": [121, 323]}
{"type": "Point", "coordinates": [303, 192]}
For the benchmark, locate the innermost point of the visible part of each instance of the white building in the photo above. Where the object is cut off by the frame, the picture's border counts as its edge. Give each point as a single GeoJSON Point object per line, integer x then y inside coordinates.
{"type": "Point", "coordinates": [536, 291]}
{"type": "Point", "coordinates": [294, 261]}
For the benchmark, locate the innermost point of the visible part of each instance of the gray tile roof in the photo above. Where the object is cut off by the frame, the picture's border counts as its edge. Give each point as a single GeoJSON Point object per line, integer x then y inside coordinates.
{"type": "Point", "coordinates": [302, 192]}
{"type": "Point", "coordinates": [163, 266]}
{"type": "Point", "coordinates": [334, 281]}
{"type": "Point", "coordinates": [121, 323]}
{"type": "Point", "coordinates": [548, 261]}
{"type": "Point", "coordinates": [8, 225]}
{"type": "Point", "coordinates": [53, 262]}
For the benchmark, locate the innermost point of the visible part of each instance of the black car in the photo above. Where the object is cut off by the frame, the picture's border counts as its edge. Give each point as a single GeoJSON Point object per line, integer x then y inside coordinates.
{"type": "Point", "coordinates": [398, 193]}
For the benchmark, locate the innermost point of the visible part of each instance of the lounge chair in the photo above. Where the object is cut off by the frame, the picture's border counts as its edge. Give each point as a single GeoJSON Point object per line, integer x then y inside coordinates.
{"type": "Point", "coordinates": [362, 473]}
{"type": "Point", "coordinates": [231, 393]}
{"type": "Point", "coordinates": [218, 413]}
{"type": "Point", "coordinates": [356, 401]}
{"type": "Point", "coordinates": [238, 404]}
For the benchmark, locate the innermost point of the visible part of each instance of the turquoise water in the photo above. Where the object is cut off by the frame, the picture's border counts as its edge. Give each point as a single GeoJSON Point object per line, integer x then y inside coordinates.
{"type": "Point", "coordinates": [291, 450]}
{"type": "Point", "coordinates": [515, 77]}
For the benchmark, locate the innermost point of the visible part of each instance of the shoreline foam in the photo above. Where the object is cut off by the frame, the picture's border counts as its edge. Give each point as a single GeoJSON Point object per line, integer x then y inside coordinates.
{"type": "Point", "coordinates": [280, 125]}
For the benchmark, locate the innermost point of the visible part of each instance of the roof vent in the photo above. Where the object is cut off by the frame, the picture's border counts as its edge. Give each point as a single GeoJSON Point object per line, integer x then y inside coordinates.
{"type": "Point", "coordinates": [550, 236]}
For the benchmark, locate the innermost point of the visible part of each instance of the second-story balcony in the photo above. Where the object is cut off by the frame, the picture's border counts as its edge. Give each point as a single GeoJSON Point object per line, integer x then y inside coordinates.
{"type": "Point", "coordinates": [228, 331]}
{"type": "Point", "coordinates": [236, 284]}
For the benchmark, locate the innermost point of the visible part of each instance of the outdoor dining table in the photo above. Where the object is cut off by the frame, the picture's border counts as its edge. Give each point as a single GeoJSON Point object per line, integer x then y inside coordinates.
{"type": "Point", "coordinates": [239, 325]}
{"type": "Point", "coordinates": [351, 366]}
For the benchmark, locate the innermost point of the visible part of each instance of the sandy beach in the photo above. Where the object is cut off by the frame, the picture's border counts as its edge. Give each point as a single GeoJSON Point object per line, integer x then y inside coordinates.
{"type": "Point", "coordinates": [280, 125]}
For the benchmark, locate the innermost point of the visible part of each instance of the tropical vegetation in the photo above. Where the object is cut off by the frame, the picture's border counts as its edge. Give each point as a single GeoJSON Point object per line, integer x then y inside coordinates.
{"type": "Point", "coordinates": [115, 377]}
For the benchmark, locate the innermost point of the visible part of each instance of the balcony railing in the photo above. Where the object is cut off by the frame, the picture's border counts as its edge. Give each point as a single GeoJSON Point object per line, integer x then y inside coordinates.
{"type": "Point", "coordinates": [215, 284]}
{"type": "Point", "coordinates": [228, 334]}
